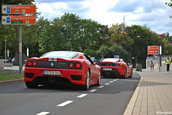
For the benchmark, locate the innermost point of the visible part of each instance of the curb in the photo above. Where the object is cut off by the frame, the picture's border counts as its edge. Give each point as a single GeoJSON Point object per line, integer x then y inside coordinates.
{"type": "Point", "coordinates": [5, 81]}
{"type": "Point", "coordinates": [131, 104]}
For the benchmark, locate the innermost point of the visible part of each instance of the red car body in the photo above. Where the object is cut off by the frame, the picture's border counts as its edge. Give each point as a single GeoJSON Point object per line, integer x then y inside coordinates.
{"type": "Point", "coordinates": [115, 67]}
{"type": "Point", "coordinates": [60, 66]}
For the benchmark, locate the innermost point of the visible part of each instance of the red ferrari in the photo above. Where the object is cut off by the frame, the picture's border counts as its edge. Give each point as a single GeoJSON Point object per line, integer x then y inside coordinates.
{"type": "Point", "coordinates": [115, 67]}
{"type": "Point", "coordinates": [61, 66]}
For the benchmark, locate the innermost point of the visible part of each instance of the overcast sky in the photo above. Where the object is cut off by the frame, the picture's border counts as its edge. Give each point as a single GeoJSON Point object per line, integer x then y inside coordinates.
{"type": "Point", "coordinates": [152, 13]}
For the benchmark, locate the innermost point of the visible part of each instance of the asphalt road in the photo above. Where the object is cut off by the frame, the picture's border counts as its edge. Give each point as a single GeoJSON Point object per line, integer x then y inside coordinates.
{"type": "Point", "coordinates": [111, 98]}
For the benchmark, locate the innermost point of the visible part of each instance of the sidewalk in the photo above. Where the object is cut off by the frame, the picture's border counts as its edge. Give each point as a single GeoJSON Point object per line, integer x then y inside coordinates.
{"type": "Point", "coordinates": [153, 95]}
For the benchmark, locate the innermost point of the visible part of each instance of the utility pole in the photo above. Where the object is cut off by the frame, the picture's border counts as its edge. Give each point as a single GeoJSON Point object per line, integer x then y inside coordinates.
{"type": "Point", "coordinates": [5, 50]}
{"type": "Point", "coordinates": [20, 49]}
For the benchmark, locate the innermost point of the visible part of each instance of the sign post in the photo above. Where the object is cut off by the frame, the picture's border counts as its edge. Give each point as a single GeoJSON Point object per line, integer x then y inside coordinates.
{"type": "Point", "coordinates": [20, 19]}
{"type": "Point", "coordinates": [160, 53]}
{"type": "Point", "coordinates": [20, 49]}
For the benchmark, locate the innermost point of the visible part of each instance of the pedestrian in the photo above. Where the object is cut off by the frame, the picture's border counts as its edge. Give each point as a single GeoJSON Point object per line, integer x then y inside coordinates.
{"type": "Point", "coordinates": [151, 65]}
{"type": "Point", "coordinates": [168, 61]}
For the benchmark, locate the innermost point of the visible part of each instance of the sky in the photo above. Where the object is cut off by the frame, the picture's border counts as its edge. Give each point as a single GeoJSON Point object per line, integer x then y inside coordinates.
{"type": "Point", "coordinates": [152, 13]}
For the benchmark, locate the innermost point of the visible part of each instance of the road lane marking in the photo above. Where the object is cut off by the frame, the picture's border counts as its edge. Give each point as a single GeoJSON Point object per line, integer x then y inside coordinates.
{"type": "Point", "coordinates": [107, 84]}
{"type": "Point", "coordinates": [43, 113]}
{"type": "Point", "coordinates": [64, 103]}
{"type": "Point", "coordinates": [111, 81]}
{"type": "Point", "coordinates": [114, 80]}
{"type": "Point", "coordinates": [93, 90]}
{"type": "Point", "coordinates": [82, 95]}
{"type": "Point", "coordinates": [101, 86]}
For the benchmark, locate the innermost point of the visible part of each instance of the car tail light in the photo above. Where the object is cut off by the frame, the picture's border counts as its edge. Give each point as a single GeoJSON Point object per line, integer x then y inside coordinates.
{"type": "Point", "coordinates": [35, 63]}
{"type": "Point", "coordinates": [71, 65]}
{"type": "Point", "coordinates": [78, 65]}
{"type": "Point", "coordinates": [29, 63]}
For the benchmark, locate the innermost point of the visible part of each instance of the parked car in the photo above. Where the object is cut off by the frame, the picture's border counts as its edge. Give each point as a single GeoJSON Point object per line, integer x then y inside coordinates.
{"type": "Point", "coordinates": [61, 66]}
{"type": "Point", "coordinates": [116, 67]}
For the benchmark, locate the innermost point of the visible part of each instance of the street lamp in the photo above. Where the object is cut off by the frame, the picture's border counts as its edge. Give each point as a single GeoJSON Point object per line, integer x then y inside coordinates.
{"type": "Point", "coordinates": [5, 49]}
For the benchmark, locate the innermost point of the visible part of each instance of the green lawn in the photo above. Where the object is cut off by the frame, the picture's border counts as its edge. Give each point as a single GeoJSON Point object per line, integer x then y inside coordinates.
{"type": "Point", "coordinates": [10, 76]}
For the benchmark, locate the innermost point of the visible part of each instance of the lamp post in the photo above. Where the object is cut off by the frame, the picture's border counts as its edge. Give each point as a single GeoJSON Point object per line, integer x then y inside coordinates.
{"type": "Point", "coordinates": [5, 49]}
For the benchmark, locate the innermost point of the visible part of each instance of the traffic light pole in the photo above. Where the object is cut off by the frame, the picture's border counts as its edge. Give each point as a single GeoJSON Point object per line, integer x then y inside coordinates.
{"type": "Point", "coordinates": [20, 49]}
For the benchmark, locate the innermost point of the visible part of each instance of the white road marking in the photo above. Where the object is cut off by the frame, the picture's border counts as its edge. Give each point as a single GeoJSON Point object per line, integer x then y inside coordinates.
{"type": "Point", "coordinates": [43, 113]}
{"type": "Point", "coordinates": [64, 103]}
{"type": "Point", "coordinates": [111, 81]}
{"type": "Point", "coordinates": [82, 95]}
{"type": "Point", "coordinates": [107, 84]}
{"type": "Point", "coordinates": [101, 86]}
{"type": "Point", "coordinates": [114, 80]}
{"type": "Point", "coordinates": [93, 90]}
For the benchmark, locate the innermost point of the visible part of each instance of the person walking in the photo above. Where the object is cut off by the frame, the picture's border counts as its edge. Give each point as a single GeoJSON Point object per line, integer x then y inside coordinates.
{"type": "Point", "coordinates": [168, 61]}
{"type": "Point", "coordinates": [151, 65]}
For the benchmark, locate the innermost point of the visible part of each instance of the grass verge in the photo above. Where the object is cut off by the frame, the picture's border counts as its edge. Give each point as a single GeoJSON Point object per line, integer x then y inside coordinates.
{"type": "Point", "coordinates": [10, 76]}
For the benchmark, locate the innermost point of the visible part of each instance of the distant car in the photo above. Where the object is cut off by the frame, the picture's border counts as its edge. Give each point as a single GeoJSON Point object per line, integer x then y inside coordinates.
{"type": "Point", "coordinates": [61, 66]}
{"type": "Point", "coordinates": [115, 67]}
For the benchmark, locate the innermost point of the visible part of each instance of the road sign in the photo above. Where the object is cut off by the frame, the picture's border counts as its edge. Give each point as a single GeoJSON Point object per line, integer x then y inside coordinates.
{"type": "Point", "coordinates": [18, 9]}
{"type": "Point", "coordinates": [18, 20]}
{"type": "Point", "coordinates": [152, 50]}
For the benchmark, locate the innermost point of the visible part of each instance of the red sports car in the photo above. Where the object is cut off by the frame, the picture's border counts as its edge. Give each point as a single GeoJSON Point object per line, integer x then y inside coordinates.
{"type": "Point", "coordinates": [61, 66]}
{"type": "Point", "coordinates": [115, 67]}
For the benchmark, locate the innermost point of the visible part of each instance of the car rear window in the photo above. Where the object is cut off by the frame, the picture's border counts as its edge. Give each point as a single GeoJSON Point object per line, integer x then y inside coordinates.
{"type": "Point", "coordinates": [60, 54]}
{"type": "Point", "coordinates": [111, 60]}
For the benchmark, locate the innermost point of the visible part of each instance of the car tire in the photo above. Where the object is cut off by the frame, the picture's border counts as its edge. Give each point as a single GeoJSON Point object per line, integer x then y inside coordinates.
{"type": "Point", "coordinates": [99, 79]}
{"type": "Point", "coordinates": [87, 81]}
{"type": "Point", "coordinates": [31, 85]}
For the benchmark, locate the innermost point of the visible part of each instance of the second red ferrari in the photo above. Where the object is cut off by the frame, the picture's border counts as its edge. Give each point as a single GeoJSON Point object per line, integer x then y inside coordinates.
{"type": "Point", "coordinates": [115, 67]}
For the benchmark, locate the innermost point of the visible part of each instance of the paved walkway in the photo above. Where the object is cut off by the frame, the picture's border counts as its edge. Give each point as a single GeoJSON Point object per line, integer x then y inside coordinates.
{"type": "Point", "coordinates": [153, 95]}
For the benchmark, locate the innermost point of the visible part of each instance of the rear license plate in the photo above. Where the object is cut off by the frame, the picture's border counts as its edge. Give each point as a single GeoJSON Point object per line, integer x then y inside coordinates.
{"type": "Point", "coordinates": [51, 72]}
{"type": "Point", "coordinates": [107, 69]}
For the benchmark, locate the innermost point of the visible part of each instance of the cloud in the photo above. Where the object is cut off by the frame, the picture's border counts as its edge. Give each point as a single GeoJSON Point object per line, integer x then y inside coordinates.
{"type": "Point", "coordinates": [152, 13]}
{"type": "Point", "coordinates": [53, 10]}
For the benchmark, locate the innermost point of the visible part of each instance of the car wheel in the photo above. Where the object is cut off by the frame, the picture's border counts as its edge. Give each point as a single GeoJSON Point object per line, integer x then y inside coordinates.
{"type": "Point", "coordinates": [31, 85]}
{"type": "Point", "coordinates": [87, 81]}
{"type": "Point", "coordinates": [99, 79]}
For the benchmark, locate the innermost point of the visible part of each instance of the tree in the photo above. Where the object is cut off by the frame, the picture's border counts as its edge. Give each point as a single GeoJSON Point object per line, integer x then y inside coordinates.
{"type": "Point", "coordinates": [119, 35]}
{"type": "Point", "coordinates": [81, 34]}
{"type": "Point", "coordinates": [51, 38]}
{"type": "Point", "coordinates": [142, 37]}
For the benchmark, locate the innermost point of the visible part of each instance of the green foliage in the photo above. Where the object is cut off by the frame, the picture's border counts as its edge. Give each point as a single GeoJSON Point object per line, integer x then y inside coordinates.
{"type": "Point", "coordinates": [90, 52]}
{"type": "Point", "coordinates": [109, 52]}
{"type": "Point", "coordinates": [70, 32]}
{"type": "Point", "coordinates": [51, 38]}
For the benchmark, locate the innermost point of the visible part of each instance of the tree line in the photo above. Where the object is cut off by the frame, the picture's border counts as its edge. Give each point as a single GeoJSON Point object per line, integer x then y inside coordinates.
{"type": "Point", "coordinates": [72, 33]}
